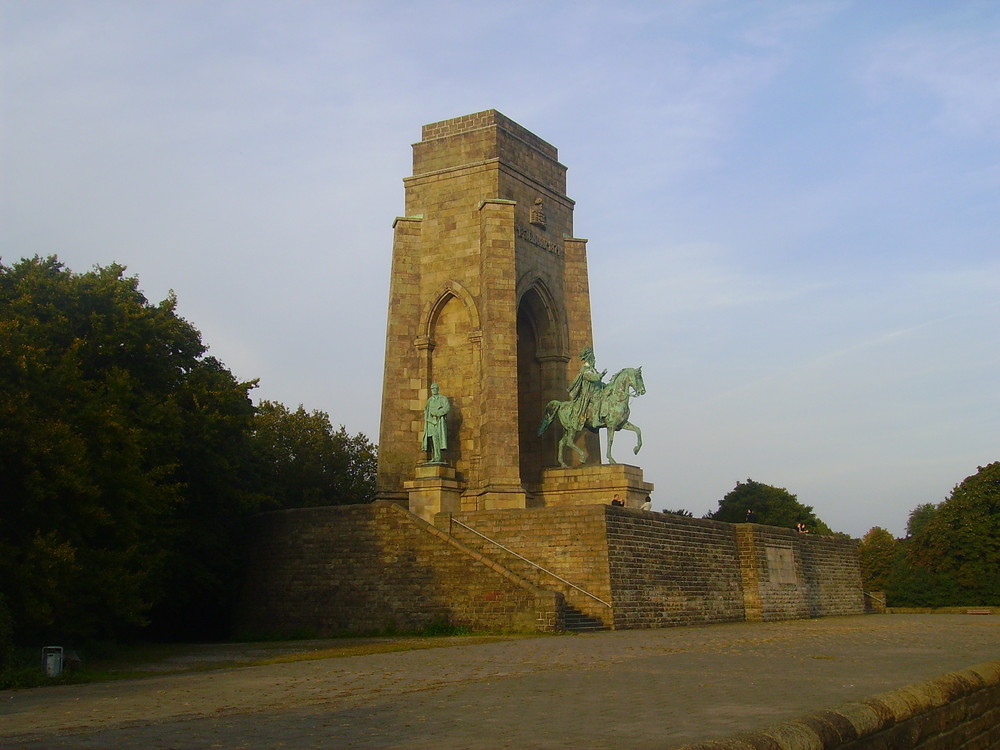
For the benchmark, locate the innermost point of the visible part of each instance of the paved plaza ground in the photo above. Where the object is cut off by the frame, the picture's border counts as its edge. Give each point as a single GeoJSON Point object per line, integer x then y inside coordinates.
{"type": "Point", "coordinates": [622, 689]}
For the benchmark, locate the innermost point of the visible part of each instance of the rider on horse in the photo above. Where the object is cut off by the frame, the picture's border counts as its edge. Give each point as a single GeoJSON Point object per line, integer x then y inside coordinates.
{"type": "Point", "coordinates": [587, 390]}
{"type": "Point", "coordinates": [594, 405]}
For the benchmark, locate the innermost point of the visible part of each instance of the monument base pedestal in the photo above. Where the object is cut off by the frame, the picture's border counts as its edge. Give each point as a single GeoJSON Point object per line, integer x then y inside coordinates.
{"type": "Point", "coordinates": [433, 490]}
{"type": "Point", "coordinates": [592, 484]}
{"type": "Point", "coordinates": [495, 496]}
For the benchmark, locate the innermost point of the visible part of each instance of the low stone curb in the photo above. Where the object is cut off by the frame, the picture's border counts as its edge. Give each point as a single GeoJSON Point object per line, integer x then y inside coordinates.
{"type": "Point", "coordinates": [954, 711]}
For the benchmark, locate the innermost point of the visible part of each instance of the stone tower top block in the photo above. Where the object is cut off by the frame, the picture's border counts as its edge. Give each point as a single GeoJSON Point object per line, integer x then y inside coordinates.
{"type": "Point", "coordinates": [487, 119]}
{"type": "Point", "coordinates": [483, 137]}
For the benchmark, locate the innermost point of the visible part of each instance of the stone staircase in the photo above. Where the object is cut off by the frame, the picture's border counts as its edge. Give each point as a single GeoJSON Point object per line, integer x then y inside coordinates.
{"type": "Point", "coordinates": [580, 610]}
{"type": "Point", "coordinates": [578, 622]}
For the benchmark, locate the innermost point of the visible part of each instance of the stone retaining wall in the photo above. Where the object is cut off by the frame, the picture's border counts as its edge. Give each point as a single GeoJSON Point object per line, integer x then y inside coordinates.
{"type": "Point", "coordinates": [568, 542]}
{"type": "Point", "coordinates": [659, 570]}
{"type": "Point", "coordinates": [957, 711]}
{"type": "Point", "coordinates": [369, 567]}
{"type": "Point", "coordinates": [801, 575]}
{"type": "Point", "coordinates": [670, 570]}
{"type": "Point", "coordinates": [363, 568]}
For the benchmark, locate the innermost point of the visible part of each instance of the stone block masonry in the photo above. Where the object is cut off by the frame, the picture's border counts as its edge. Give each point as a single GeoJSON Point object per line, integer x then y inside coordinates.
{"type": "Point", "coordinates": [571, 544]}
{"type": "Point", "coordinates": [371, 567]}
{"type": "Point", "coordinates": [368, 568]}
{"type": "Point", "coordinates": [957, 711]}
{"type": "Point", "coordinates": [659, 570]}
{"type": "Point", "coordinates": [488, 298]}
{"type": "Point", "coordinates": [670, 570]}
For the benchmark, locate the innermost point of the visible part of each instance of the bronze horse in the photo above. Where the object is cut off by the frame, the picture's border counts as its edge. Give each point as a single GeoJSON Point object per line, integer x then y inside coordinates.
{"type": "Point", "coordinates": [610, 411]}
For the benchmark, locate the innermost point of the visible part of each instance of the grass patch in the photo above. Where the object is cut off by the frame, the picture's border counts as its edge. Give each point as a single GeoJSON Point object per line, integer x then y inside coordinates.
{"type": "Point", "coordinates": [436, 629]}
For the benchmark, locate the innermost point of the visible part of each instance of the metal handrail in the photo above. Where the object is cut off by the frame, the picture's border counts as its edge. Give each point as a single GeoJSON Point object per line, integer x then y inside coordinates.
{"type": "Point", "coordinates": [452, 519]}
{"type": "Point", "coordinates": [869, 594]}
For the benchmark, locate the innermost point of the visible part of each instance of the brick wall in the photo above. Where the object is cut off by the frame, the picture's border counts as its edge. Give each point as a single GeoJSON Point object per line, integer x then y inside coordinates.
{"type": "Point", "coordinates": [371, 567]}
{"type": "Point", "coordinates": [957, 711]}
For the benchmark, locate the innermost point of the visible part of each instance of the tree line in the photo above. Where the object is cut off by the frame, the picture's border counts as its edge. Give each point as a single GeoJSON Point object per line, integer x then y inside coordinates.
{"type": "Point", "coordinates": [950, 556]}
{"type": "Point", "coordinates": [130, 462]}
{"type": "Point", "coordinates": [756, 502]}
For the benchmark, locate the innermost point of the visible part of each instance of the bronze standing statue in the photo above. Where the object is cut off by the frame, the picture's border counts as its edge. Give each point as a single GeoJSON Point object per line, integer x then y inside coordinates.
{"type": "Point", "coordinates": [593, 405]}
{"type": "Point", "coordinates": [435, 437]}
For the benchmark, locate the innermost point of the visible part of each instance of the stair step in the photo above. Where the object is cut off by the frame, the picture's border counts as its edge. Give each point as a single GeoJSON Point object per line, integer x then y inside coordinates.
{"type": "Point", "coordinates": [577, 622]}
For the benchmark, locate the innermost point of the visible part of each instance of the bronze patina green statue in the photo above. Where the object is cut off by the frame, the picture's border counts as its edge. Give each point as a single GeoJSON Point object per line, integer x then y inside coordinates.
{"type": "Point", "coordinates": [435, 437]}
{"type": "Point", "coordinates": [586, 390]}
{"type": "Point", "coordinates": [594, 405]}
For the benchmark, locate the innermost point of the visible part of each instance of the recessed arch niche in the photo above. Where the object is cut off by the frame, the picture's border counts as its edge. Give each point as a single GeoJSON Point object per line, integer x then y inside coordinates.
{"type": "Point", "coordinates": [451, 336]}
{"type": "Point", "coordinates": [540, 371]}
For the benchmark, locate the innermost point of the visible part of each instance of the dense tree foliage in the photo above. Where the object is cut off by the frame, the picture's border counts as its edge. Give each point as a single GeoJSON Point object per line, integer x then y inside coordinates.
{"type": "Point", "coordinates": [214, 465]}
{"type": "Point", "coordinates": [302, 461]}
{"type": "Point", "coordinates": [110, 419]}
{"type": "Point", "coordinates": [919, 518]}
{"type": "Point", "coordinates": [129, 460]}
{"type": "Point", "coordinates": [877, 553]}
{"type": "Point", "coordinates": [773, 506]}
{"type": "Point", "coordinates": [951, 554]}
{"type": "Point", "coordinates": [961, 542]}
{"type": "Point", "coordinates": [910, 586]}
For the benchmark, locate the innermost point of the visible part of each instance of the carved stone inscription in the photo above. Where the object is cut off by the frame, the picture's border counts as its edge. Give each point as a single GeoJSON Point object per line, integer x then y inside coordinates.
{"type": "Point", "coordinates": [540, 242]}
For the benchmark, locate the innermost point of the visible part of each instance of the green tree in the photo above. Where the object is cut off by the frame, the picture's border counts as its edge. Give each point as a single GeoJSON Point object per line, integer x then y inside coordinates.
{"type": "Point", "coordinates": [215, 466]}
{"type": "Point", "coordinates": [911, 586]}
{"type": "Point", "coordinates": [919, 518]}
{"type": "Point", "coordinates": [113, 430]}
{"type": "Point", "coordinates": [6, 636]}
{"type": "Point", "coordinates": [961, 542]}
{"type": "Point", "coordinates": [877, 552]}
{"type": "Point", "coordinates": [773, 506]}
{"type": "Point", "coordinates": [303, 462]}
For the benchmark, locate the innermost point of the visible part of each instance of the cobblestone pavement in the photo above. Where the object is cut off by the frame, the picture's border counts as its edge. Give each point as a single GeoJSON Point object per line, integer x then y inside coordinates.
{"type": "Point", "coordinates": [635, 689]}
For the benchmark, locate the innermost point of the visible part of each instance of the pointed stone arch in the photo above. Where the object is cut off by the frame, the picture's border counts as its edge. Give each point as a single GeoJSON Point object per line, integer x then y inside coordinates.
{"type": "Point", "coordinates": [534, 293]}
{"type": "Point", "coordinates": [439, 299]}
{"type": "Point", "coordinates": [448, 342]}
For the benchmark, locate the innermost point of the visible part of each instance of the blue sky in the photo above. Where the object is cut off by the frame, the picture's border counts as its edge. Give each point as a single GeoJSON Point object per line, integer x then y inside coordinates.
{"type": "Point", "coordinates": [791, 207]}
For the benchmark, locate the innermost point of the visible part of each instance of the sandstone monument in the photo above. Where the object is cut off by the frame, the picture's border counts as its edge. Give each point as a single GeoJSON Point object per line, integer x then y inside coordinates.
{"type": "Point", "coordinates": [489, 298]}
{"type": "Point", "coordinates": [494, 508]}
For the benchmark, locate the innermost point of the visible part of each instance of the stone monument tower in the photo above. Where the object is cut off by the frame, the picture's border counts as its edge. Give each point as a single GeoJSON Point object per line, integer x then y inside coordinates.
{"type": "Point", "coordinates": [489, 300]}
{"type": "Point", "coordinates": [490, 332]}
